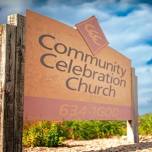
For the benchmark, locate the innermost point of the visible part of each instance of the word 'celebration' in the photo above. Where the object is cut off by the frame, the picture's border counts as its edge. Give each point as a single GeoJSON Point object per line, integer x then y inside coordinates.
{"type": "Point", "coordinates": [85, 73]}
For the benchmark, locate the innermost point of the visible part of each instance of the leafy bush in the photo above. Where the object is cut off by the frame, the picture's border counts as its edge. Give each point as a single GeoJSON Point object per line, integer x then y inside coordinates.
{"type": "Point", "coordinates": [34, 135]}
{"type": "Point", "coordinates": [55, 135]}
{"type": "Point", "coordinates": [81, 129]}
{"type": "Point", "coordinates": [52, 134]}
{"type": "Point", "coordinates": [49, 134]}
{"type": "Point", "coordinates": [93, 129]}
{"type": "Point", "coordinates": [145, 124]}
{"type": "Point", "coordinates": [43, 134]}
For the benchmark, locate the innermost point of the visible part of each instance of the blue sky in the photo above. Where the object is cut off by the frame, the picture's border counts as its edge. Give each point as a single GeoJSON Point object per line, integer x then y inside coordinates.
{"type": "Point", "coordinates": [127, 25]}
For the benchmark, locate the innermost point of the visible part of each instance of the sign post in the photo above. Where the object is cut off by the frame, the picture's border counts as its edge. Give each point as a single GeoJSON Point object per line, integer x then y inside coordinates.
{"type": "Point", "coordinates": [11, 81]}
{"type": "Point", "coordinates": [132, 125]}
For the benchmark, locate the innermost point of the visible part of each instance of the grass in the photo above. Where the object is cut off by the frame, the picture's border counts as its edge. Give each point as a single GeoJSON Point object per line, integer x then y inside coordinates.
{"type": "Point", "coordinates": [51, 134]}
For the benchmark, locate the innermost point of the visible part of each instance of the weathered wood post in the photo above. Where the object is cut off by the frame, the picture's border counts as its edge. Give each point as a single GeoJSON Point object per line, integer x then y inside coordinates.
{"type": "Point", "coordinates": [0, 89]}
{"type": "Point", "coordinates": [11, 83]}
{"type": "Point", "coordinates": [19, 22]}
{"type": "Point", "coordinates": [132, 125]}
{"type": "Point", "coordinates": [7, 77]}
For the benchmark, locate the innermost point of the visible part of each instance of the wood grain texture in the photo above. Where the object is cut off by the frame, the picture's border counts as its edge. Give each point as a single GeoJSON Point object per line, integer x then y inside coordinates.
{"type": "Point", "coordinates": [7, 79]}
{"type": "Point", "coordinates": [19, 22]}
{"type": "Point", "coordinates": [1, 28]}
{"type": "Point", "coordinates": [11, 83]}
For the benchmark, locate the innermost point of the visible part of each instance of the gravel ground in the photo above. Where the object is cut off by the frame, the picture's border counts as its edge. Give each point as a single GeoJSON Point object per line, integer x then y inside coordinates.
{"type": "Point", "coordinates": [114, 144]}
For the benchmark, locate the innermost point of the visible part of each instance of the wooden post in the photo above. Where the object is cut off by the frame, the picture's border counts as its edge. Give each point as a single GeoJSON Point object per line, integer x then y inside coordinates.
{"type": "Point", "coordinates": [132, 125]}
{"type": "Point", "coordinates": [7, 79]}
{"type": "Point", "coordinates": [19, 22]}
{"type": "Point", "coordinates": [1, 28]}
{"type": "Point", "coordinates": [11, 83]}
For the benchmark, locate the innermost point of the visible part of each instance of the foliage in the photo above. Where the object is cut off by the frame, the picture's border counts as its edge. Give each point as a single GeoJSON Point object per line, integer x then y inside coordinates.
{"type": "Point", "coordinates": [49, 134]}
{"type": "Point", "coordinates": [145, 124]}
{"type": "Point", "coordinates": [93, 129]}
{"type": "Point", "coordinates": [43, 133]}
{"type": "Point", "coordinates": [54, 133]}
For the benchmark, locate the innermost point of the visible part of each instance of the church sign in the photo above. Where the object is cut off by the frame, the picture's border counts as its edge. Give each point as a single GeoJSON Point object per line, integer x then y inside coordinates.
{"type": "Point", "coordinates": [65, 79]}
{"type": "Point", "coordinates": [52, 71]}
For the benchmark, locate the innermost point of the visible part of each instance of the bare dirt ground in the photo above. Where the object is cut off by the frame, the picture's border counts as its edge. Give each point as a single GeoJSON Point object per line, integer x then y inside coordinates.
{"type": "Point", "coordinates": [114, 144]}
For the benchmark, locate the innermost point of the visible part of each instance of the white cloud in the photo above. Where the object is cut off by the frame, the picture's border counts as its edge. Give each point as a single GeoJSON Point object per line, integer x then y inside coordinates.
{"type": "Point", "coordinates": [130, 30]}
{"type": "Point", "coordinates": [139, 53]}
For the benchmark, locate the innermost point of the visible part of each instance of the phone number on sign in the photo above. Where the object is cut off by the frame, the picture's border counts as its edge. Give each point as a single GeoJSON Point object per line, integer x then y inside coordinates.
{"type": "Point", "coordinates": [73, 111]}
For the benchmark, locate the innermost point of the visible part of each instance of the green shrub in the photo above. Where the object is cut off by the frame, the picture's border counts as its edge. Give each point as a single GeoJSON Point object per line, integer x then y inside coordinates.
{"type": "Point", "coordinates": [111, 128]}
{"type": "Point", "coordinates": [82, 130]}
{"type": "Point", "coordinates": [43, 134]}
{"type": "Point", "coordinates": [55, 135]}
{"type": "Point", "coordinates": [52, 134]}
{"type": "Point", "coordinates": [145, 124]}
{"type": "Point", "coordinates": [93, 129]}
{"type": "Point", "coordinates": [35, 135]}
